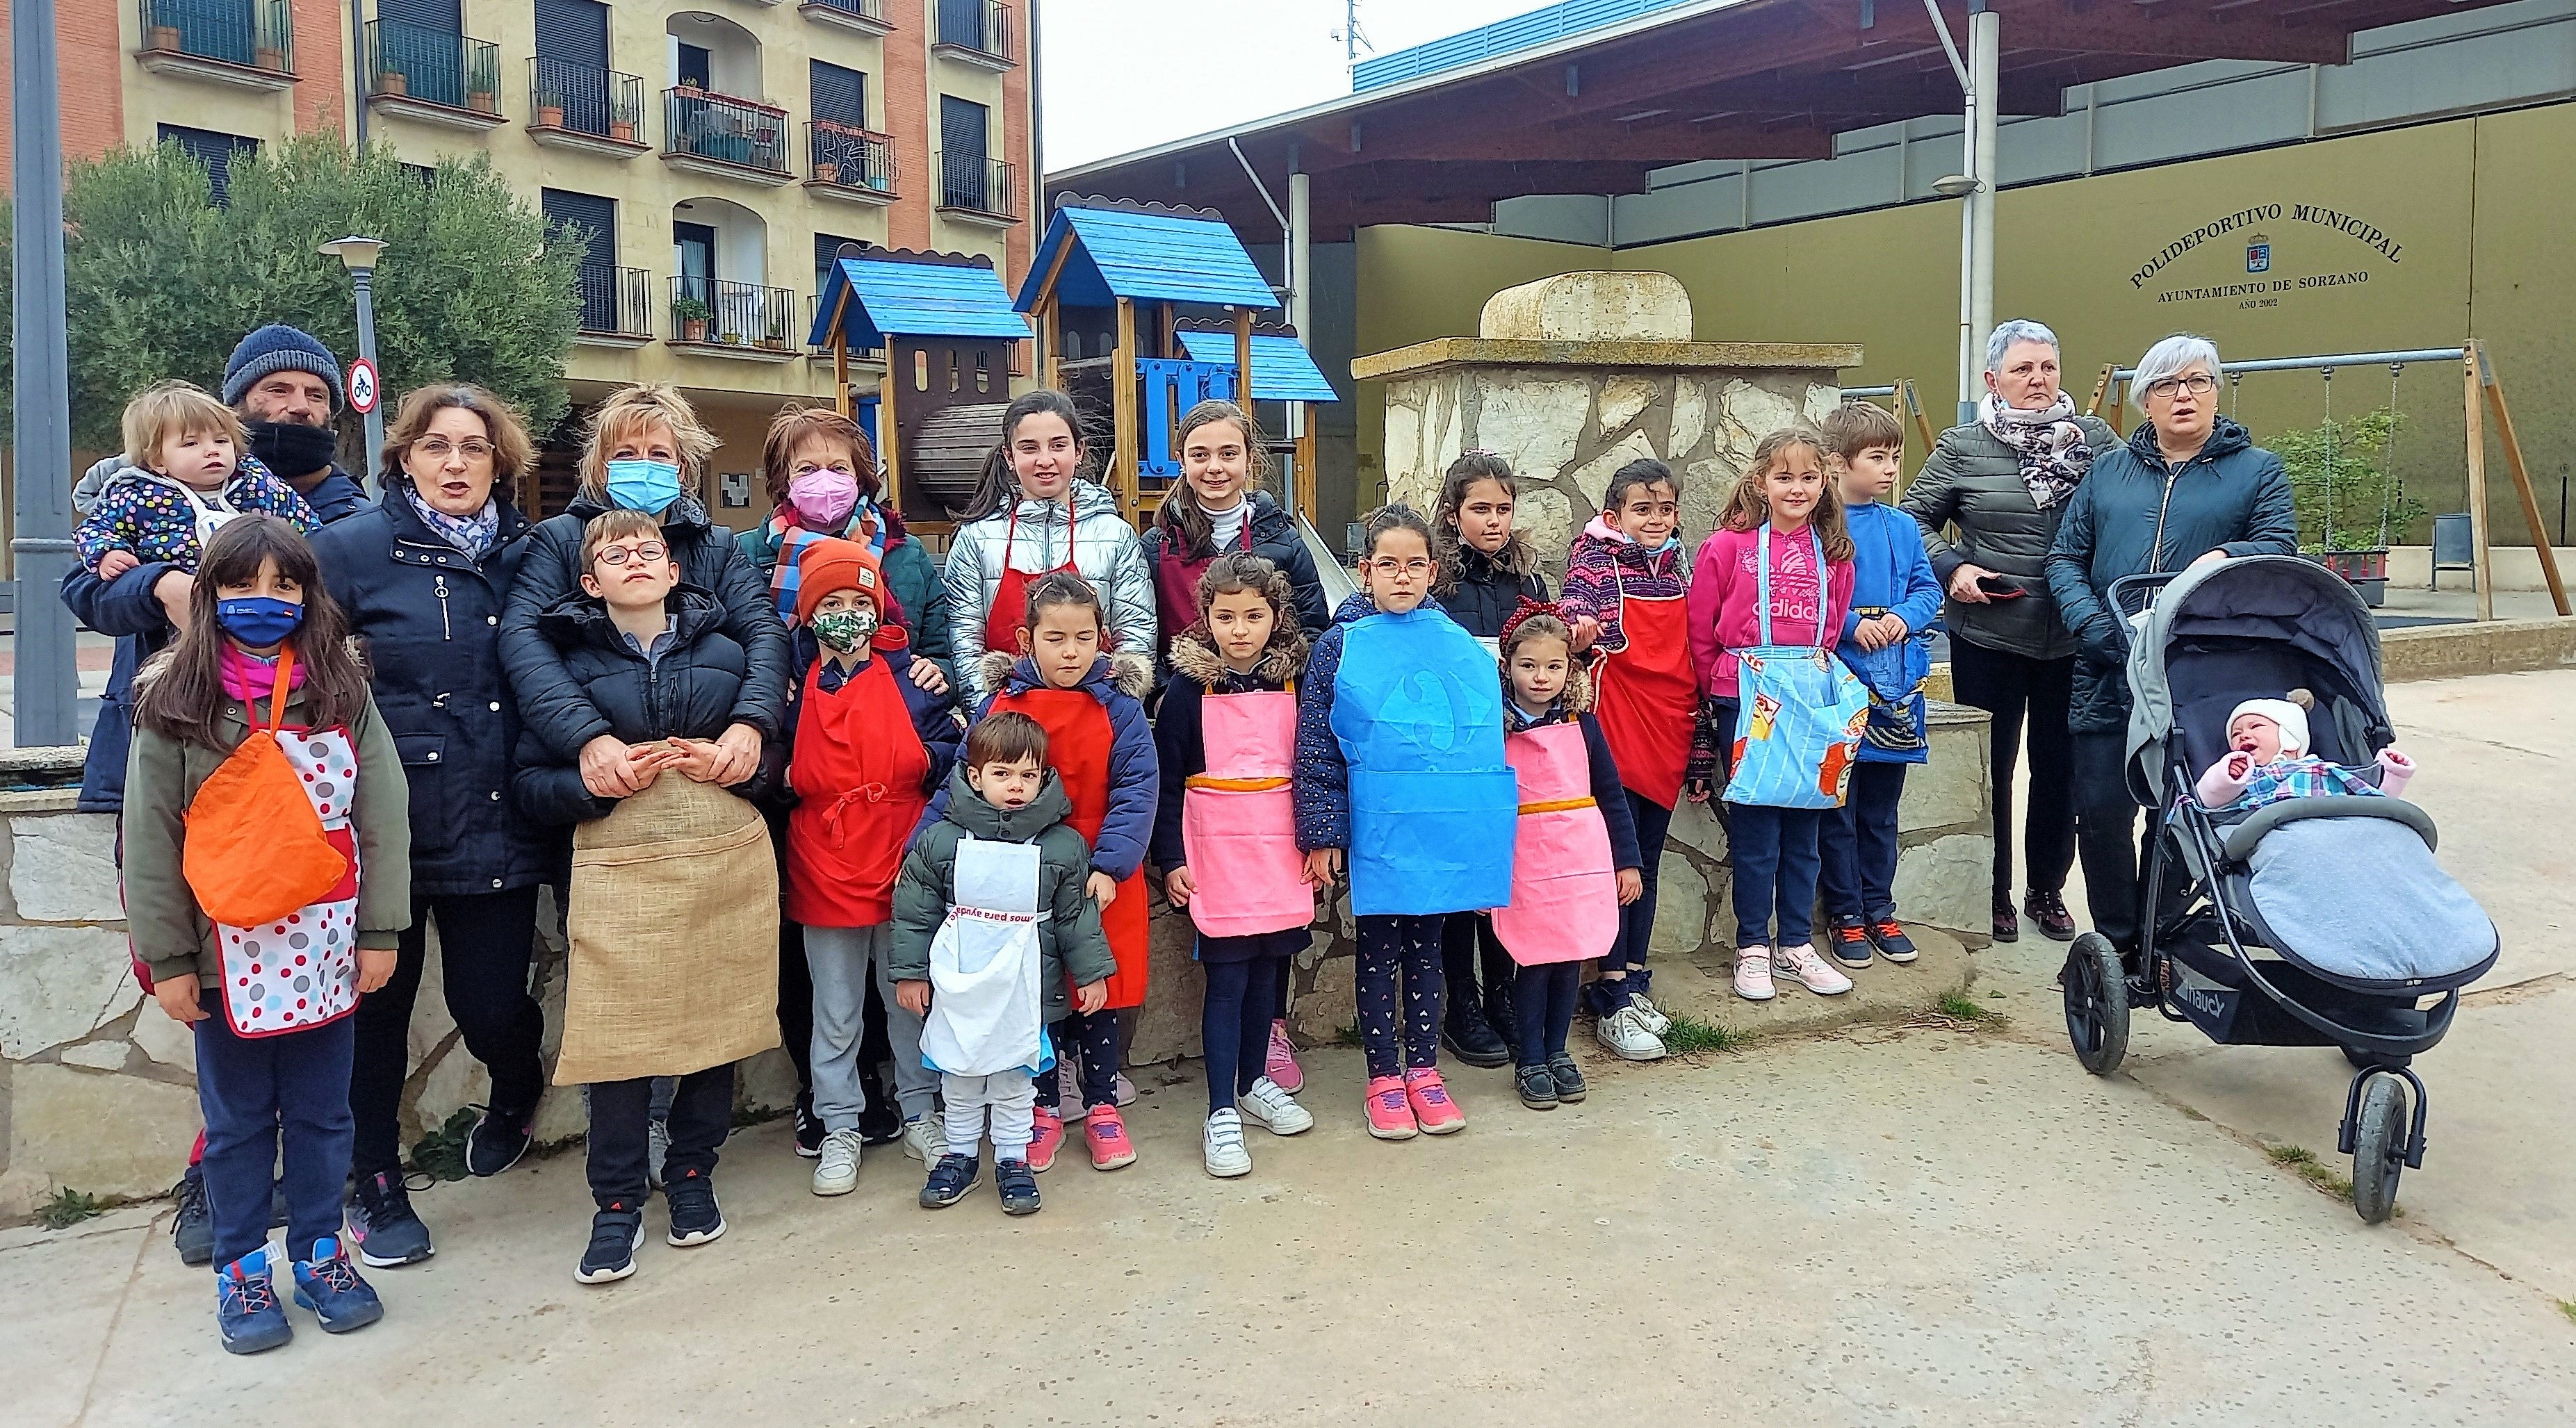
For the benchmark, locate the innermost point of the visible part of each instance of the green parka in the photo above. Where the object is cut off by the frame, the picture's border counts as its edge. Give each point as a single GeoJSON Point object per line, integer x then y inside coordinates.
{"type": "Point", "coordinates": [1073, 950]}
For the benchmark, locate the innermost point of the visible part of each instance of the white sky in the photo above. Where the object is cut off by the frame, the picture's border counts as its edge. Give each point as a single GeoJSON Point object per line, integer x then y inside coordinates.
{"type": "Point", "coordinates": [1122, 75]}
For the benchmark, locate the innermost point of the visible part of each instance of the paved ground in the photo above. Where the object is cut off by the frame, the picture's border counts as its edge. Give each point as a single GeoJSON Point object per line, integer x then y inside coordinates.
{"type": "Point", "coordinates": [1886, 1225]}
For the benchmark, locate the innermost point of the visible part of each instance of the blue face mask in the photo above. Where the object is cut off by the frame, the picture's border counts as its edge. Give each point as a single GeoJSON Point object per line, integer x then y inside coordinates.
{"type": "Point", "coordinates": [643, 485]}
{"type": "Point", "coordinates": [258, 620]}
{"type": "Point", "coordinates": [1669, 542]}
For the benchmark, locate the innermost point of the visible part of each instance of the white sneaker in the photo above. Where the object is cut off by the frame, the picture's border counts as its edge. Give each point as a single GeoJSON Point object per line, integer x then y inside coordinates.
{"type": "Point", "coordinates": [1275, 1108]}
{"type": "Point", "coordinates": [1650, 1016]}
{"type": "Point", "coordinates": [836, 1169]}
{"type": "Point", "coordinates": [1226, 1157]}
{"type": "Point", "coordinates": [924, 1139]}
{"type": "Point", "coordinates": [1812, 971]}
{"type": "Point", "coordinates": [1753, 973]}
{"type": "Point", "coordinates": [1625, 1034]}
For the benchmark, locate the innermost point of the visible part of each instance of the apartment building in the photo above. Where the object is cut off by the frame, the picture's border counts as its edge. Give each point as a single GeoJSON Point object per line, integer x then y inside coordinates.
{"type": "Point", "coordinates": [718, 155]}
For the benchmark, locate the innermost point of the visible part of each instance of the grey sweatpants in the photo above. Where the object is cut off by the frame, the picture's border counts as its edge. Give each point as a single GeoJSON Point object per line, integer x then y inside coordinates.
{"type": "Point", "coordinates": [840, 959]}
{"type": "Point", "coordinates": [1011, 1096]}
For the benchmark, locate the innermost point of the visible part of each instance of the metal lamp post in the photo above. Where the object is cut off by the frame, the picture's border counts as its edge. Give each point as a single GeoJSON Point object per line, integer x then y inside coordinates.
{"type": "Point", "coordinates": [46, 681]}
{"type": "Point", "coordinates": [359, 256]}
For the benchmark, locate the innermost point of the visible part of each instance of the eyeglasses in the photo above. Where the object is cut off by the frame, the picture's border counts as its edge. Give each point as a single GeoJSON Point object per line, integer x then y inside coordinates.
{"type": "Point", "coordinates": [620, 554]}
{"type": "Point", "coordinates": [2199, 384]}
{"type": "Point", "coordinates": [439, 448]}
{"type": "Point", "coordinates": [1389, 565]}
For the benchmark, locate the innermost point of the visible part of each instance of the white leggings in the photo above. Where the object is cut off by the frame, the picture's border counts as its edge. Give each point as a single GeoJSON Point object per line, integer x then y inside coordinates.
{"type": "Point", "coordinates": [1013, 1097]}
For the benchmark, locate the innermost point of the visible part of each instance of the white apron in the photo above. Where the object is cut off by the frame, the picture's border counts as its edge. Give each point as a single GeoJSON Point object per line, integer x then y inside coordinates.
{"type": "Point", "coordinates": [302, 970]}
{"type": "Point", "coordinates": [986, 1014]}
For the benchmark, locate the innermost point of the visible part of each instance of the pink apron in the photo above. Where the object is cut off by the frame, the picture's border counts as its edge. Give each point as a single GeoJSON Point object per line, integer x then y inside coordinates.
{"type": "Point", "coordinates": [1565, 894]}
{"type": "Point", "coordinates": [1238, 824]}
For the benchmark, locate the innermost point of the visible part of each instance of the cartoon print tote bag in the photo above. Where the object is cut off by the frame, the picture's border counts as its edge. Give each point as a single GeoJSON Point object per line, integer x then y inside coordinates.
{"type": "Point", "coordinates": [1799, 724]}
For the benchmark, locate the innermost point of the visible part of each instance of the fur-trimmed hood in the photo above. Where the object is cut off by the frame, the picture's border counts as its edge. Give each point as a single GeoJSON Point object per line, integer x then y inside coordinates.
{"type": "Point", "coordinates": [1194, 654]}
{"type": "Point", "coordinates": [1580, 692]}
{"type": "Point", "coordinates": [1129, 673]}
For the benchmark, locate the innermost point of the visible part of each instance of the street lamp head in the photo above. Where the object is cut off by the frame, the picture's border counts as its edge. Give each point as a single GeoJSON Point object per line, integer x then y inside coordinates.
{"type": "Point", "coordinates": [355, 253]}
{"type": "Point", "coordinates": [1954, 186]}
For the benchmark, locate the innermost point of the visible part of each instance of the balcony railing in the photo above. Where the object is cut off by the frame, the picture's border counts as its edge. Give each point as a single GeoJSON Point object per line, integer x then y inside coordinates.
{"type": "Point", "coordinates": [433, 66]}
{"type": "Point", "coordinates": [869, 14]}
{"type": "Point", "coordinates": [849, 157]}
{"type": "Point", "coordinates": [732, 131]}
{"type": "Point", "coordinates": [979, 26]}
{"type": "Point", "coordinates": [978, 185]}
{"type": "Point", "coordinates": [715, 311]}
{"type": "Point", "coordinates": [615, 302]}
{"type": "Point", "coordinates": [255, 34]}
{"type": "Point", "coordinates": [584, 100]}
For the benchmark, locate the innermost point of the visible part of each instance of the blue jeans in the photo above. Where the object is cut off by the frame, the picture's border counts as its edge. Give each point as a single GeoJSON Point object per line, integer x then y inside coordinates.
{"type": "Point", "coordinates": [1775, 869]}
{"type": "Point", "coordinates": [1857, 843]}
{"type": "Point", "coordinates": [253, 1090]}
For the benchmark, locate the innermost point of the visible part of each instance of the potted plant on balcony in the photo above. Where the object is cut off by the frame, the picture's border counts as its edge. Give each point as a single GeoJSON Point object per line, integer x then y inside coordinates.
{"type": "Point", "coordinates": [271, 58]}
{"type": "Point", "coordinates": [2349, 499]}
{"type": "Point", "coordinates": [549, 109]}
{"type": "Point", "coordinates": [776, 338]}
{"type": "Point", "coordinates": [691, 315]}
{"type": "Point", "coordinates": [621, 124]}
{"type": "Point", "coordinates": [393, 82]}
{"type": "Point", "coordinates": [161, 37]}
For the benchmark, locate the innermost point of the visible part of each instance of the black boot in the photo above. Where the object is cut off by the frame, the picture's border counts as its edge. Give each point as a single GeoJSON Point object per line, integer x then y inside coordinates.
{"type": "Point", "coordinates": [1503, 1016]}
{"type": "Point", "coordinates": [1470, 1037]}
{"type": "Point", "coordinates": [880, 1123]}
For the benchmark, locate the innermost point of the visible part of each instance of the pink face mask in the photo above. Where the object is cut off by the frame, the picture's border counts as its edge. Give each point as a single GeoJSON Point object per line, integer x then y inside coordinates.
{"type": "Point", "coordinates": [824, 498]}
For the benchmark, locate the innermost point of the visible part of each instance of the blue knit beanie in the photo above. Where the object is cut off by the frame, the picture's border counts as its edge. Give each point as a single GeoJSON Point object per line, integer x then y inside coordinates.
{"type": "Point", "coordinates": [279, 348]}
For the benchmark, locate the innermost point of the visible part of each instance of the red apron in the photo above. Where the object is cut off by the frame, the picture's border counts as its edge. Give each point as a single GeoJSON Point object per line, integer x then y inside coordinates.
{"type": "Point", "coordinates": [1010, 607]}
{"type": "Point", "coordinates": [1078, 745]}
{"type": "Point", "coordinates": [1176, 580]}
{"type": "Point", "coordinates": [1650, 695]}
{"type": "Point", "coordinates": [857, 772]}
{"type": "Point", "coordinates": [1239, 823]}
{"type": "Point", "coordinates": [1565, 894]}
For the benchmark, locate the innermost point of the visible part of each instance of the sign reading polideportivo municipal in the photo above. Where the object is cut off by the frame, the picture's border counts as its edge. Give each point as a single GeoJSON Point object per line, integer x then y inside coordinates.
{"type": "Point", "coordinates": [2272, 268]}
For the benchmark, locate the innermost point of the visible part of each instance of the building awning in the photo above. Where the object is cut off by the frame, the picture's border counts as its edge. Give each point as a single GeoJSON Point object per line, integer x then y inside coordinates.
{"type": "Point", "coordinates": [1281, 370]}
{"type": "Point", "coordinates": [895, 292]}
{"type": "Point", "coordinates": [1145, 252]}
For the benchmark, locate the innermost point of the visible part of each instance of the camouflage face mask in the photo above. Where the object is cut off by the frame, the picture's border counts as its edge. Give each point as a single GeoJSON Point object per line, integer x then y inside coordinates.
{"type": "Point", "coordinates": [842, 631]}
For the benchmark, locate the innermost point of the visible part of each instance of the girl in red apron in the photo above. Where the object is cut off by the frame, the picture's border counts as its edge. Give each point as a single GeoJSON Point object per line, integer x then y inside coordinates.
{"type": "Point", "coordinates": [1574, 855]}
{"type": "Point", "coordinates": [1099, 743]}
{"type": "Point", "coordinates": [269, 993]}
{"type": "Point", "coordinates": [1225, 833]}
{"type": "Point", "coordinates": [1625, 601]}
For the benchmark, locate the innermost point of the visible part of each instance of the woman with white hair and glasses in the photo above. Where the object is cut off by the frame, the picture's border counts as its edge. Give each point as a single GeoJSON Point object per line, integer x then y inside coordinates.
{"type": "Point", "coordinates": [2190, 486]}
{"type": "Point", "coordinates": [1990, 498]}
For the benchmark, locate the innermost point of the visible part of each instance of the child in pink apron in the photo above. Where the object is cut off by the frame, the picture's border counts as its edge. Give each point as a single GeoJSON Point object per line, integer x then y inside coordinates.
{"type": "Point", "coordinates": [1574, 857]}
{"type": "Point", "coordinates": [1225, 833]}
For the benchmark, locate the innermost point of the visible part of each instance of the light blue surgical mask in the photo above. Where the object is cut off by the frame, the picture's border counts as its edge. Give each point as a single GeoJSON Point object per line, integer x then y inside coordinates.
{"type": "Point", "coordinates": [639, 484]}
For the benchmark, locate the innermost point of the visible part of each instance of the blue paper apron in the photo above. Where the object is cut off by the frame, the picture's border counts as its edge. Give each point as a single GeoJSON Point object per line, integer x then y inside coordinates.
{"type": "Point", "coordinates": [1418, 710]}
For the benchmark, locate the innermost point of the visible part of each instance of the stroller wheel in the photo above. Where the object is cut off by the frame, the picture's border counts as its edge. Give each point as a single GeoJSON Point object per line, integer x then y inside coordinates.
{"type": "Point", "coordinates": [2379, 1148]}
{"type": "Point", "coordinates": [2097, 1004]}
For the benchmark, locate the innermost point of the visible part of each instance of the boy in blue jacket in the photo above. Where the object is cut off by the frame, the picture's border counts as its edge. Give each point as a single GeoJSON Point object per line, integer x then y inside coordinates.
{"type": "Point", "coordinates": [1886, 641]}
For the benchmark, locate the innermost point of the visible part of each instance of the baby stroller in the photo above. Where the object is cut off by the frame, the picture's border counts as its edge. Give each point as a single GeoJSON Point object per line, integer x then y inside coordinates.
{"type": "Point", "coordinates": [2319, 921]}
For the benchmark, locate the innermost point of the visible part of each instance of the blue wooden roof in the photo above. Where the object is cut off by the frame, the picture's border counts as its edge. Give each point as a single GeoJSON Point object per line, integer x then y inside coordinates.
{"type": "Point", "coordinates": [1281, 370]}
{"type": "Point", "coordinates": [892, 297]}
{"type": "Point", "coordinates": [1156, 255]}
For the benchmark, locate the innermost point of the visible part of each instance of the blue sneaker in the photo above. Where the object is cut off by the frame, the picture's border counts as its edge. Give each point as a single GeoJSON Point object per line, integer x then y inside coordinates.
{"type": "Point", "coordinates": [246, 1307]}
{"type": "Point", "coordinates": [329, 1285]}
{"type": "Point", "coordinates": [950, 1179]}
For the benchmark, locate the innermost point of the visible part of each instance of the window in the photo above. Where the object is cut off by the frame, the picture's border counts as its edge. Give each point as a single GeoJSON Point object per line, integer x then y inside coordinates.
{"type": "Point", "coordinates": [965, 177]}
{"type": "Point", "coordinates": [693, 65]}
{"type": "Point", "coordinates": [840, 96]}
{"type": "Point", "coordinates": [595, 218]}
{"type": "Point", "coordinates": [572, 65]}
{"type": "Point", "coordinates": [827, 248]}
{"type": "Point", "coordinates": [216, 151]}
{"type": "Point", "coordinates": [427, 176]}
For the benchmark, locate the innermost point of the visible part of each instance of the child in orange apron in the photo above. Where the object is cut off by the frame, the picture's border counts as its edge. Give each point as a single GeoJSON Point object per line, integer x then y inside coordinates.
{"type": "Point", "coordinates": [1225, 833]}
{"type": "Point", "coordinates": [1099, 743]}
{"type": "Point", "coordinates": [1626, 601]}
{"type": "Point", "coordinates": [1574, 854]}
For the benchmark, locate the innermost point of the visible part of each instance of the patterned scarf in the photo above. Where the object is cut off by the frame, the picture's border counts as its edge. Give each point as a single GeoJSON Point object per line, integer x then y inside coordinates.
{"type": "Point", "coordinates": [2054, 455]}
{"type": "Point", "coordinates": [787, 539]}
{"type": "Point", "coordinates": [471, 534]}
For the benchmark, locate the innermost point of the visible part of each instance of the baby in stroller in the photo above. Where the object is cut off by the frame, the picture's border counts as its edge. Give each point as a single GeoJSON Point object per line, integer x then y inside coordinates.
{"type": "Point", "coordinates": [2268, 760]}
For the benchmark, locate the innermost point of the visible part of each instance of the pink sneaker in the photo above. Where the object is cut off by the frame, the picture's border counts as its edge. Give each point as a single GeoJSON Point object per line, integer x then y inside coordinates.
{"type": "Point", "coordinates": [1281, 1068]}
{"type": "Point", "coordinates": [1432, 1108]}
{"type": "Point", "coordinates": [1390, 1113]}
{"type": "Point", "coordinates": [1107, 1135]}
{"type": "Point", "coordinates": [1046, 1138]}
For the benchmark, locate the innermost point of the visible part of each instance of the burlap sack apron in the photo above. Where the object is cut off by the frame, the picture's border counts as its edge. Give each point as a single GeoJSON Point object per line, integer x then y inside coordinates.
{"type": "Point", "coordinates": [674, 922]}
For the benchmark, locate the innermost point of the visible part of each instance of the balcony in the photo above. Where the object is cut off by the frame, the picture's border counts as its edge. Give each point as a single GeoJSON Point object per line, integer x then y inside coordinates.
{"type": "Point", "coordinates": [716, 318]}
{"type": "Point", "coordinates": [574, 106]}
{"type": "Point", "coordinates": [433, 75]}
{"type": "Point", "coordinates": [868, 17]}
{"type": "Point", "coordinates": [849, 163]}
{"type": "Point", "coordinates": [616, 306]}
{"type": "Point", "coordinates": [730, 138]}
{"type": "Point", "coordinates": [975, 31]}
{"type": "Point", "coordinates": [979, 190]}
{"type": "Point", "coordinates": [249, 44]}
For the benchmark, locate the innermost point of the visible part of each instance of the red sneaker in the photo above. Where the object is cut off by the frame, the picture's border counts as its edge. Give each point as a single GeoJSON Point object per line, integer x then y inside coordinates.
{"type": "Point", "coordinates": [1281, 1065]}
{"type": "Point", "coordinates": [1432, 1108]}
{"type": "Point", "coordinates": [1390, 1114]}
{"type": "Point", "coordinates": [1047, 1138]}
{"type": "Point", "coordinates": [1107, 1135]}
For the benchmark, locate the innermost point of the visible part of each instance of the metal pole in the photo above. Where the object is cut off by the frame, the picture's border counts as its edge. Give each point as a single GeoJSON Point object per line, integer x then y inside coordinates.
{"type": "Point", "coordinates": [366, 283]}
{"type": "Point", "coordinates": [46, 682]}
{"type": "Point", "coordinates": [1984, 60]}
{"type": "Point", "coordinates": [1301, 281]}
{"type": "Point", "coordinates": [358, 75]}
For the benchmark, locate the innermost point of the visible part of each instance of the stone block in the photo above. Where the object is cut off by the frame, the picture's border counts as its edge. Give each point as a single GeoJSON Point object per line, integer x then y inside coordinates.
{"type": "Point", "coordinates": [1593, 478]}
{"type": "Point", "coordinates": [164, 1040]}
{"type": "Point", "coordinates": [1167, 1027]}
{"type": "Point", "coordinates": [1548, 520]}
{"type": "Point", "coordinates": [55, 1120]}
{"type": "Point", "coordinates": [1622, 399]}
{"type": "Point", "coordinates": [1329, 1003]}
{"type": "Point", "coordinates": [1949, 882]}
{"type": "Point", "coordinates": [766, 1081]}
{"type": "Point", "coordinates": [1591, 307]}
{"type": "Point", "coordinates": [1748, 413]}
{"type": "Point", "coordinates": [1950, 790]}
{"type": "Point", "coordinates": [1681, 905]}
{"type": "Point", "coordinates": [62, 868]}
{"type": "Point", "coordinates": [1533, 421]}
{"type": "Point", "coordinates": [1690, 418]}
{"type": "Point", "coordinates": [450, 1080]}
{"type": "Point", "coordinates": [59, 984]}
{"type": "Point", "coordinates": [105, 1054]}
{"type": "Point", "coordinates": [1821, 402]}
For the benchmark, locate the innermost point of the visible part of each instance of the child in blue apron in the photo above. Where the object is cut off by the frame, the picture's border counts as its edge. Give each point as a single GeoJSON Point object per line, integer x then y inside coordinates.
{"type": "Point", "coordinates": [1400, 767]}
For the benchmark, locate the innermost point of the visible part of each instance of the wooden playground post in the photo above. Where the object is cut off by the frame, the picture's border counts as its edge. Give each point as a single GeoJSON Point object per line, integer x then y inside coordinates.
{"type": "Point", "coordinates": [2102, 387]}
{"type": "Point", "coordinates": [1050, 330]}
{"type": "Point", "coordinates": [1910, 403]}
{"type": "Point", "coordinates": [1243, 358]}
{"type": "Point", "coordinates": [1304, 490]}
{"type": "Point", "coordinates": [2477, 433]}
{"type": "Point", "coordinates": [2482, 376]}
{"type": "Point", "coordinates": [886, 442]}
{"type": "Point", "coordinates": [1122, 410]}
